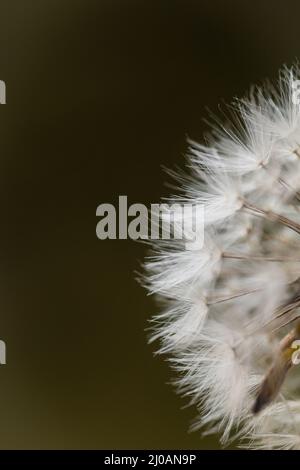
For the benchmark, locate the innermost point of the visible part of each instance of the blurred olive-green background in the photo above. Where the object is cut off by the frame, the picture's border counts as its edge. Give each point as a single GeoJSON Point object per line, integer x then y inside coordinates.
{"type": "Point", "coordinates": [100, 95]}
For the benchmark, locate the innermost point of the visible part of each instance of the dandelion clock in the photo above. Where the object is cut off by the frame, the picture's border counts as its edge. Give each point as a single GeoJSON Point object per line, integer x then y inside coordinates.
{"type": "Point", "coordinates": [229, 321]}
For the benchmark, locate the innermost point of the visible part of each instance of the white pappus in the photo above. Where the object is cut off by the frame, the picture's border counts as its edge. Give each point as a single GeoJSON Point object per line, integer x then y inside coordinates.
{"type": "Point", "coordinates": [231, 310]}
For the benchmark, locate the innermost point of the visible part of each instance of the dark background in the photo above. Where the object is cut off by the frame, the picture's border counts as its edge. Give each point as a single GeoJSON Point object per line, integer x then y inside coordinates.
{"type": "Point", "coordinates": [100, 94]}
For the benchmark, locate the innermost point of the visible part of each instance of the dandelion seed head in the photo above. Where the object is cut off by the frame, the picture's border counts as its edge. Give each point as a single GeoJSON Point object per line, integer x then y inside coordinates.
{"type": "Point", "coordinates": [231, 309]}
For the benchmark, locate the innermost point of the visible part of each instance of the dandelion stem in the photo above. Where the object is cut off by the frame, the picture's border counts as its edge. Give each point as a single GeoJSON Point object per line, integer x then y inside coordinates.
{"type": "Point", "coordinates": [272, 216]}
{"type": "Point", "coordinates": [259, 257]}
{"type": "Point", "coordinates": [212, 301]}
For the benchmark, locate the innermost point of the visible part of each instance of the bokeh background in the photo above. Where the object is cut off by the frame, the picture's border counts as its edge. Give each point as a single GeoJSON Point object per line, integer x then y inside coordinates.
{"type": "Point", "coordinates": [100, 95]}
